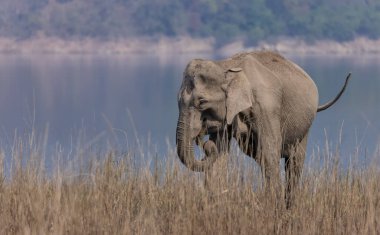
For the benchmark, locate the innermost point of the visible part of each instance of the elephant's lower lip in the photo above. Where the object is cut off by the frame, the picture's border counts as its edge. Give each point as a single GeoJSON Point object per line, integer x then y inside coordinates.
{"type": "Point", "coordinates": [213, 129]}
{"type": "Point", "coordinates": [212, 126]}
{"type": "Point", "coordinates": [211, 123]}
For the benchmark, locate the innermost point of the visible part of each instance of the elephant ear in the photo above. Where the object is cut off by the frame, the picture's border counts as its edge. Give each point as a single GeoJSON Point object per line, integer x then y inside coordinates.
{"type": "Point", "coordinates": [238, 93]}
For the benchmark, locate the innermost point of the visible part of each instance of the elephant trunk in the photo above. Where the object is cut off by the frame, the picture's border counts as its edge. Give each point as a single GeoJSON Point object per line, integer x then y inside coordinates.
{"type": "Point", "coordinates": [185, 149]}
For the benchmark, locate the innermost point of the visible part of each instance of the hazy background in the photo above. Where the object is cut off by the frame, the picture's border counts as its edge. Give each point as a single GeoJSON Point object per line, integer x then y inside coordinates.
{"type": "Point", "coordinates": [250, 20]}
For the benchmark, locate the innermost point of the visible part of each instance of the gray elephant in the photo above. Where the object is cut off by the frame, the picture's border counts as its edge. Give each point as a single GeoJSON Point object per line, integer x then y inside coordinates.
{"type": "Point", "coordinates": [266, 102]}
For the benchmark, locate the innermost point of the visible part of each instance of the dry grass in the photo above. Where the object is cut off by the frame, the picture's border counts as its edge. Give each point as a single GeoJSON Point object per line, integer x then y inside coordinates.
{"type": "Point", "coordinates": [115, 196]}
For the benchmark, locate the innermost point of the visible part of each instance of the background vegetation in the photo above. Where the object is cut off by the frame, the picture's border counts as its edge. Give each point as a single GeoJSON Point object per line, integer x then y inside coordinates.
{"type": "Point", "coordinates": [250, 20]}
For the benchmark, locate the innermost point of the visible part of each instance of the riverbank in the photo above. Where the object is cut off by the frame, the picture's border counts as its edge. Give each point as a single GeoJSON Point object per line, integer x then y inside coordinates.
{"type": "Point", "coordinates": [164, 45]}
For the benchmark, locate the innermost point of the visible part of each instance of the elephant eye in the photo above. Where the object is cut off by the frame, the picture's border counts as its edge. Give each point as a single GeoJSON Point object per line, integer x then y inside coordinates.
{"type": "Point", "coordinates": [201, 103]}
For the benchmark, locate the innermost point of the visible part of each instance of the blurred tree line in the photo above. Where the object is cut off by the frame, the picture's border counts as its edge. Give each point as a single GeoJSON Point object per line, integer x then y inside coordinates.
{"type": "Point", "coordinates": [226, 20]}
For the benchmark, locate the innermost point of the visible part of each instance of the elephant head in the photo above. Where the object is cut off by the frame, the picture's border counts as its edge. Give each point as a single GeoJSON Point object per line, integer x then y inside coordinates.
{"type": "Point", "coordinates": [210, 97]}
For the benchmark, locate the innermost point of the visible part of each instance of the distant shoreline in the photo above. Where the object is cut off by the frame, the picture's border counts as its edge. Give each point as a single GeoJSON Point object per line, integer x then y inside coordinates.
{"type": "Point", "coordinates": [183, 45]}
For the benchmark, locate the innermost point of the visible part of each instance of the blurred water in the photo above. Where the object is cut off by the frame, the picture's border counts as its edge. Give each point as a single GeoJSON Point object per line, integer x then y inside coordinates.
{"type": "Point", "coordinates": [129, 102]}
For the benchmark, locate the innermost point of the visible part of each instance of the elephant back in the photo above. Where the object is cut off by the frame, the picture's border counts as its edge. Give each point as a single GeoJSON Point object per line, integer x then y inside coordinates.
{"type": "Point", "coordinates": [279, 64]}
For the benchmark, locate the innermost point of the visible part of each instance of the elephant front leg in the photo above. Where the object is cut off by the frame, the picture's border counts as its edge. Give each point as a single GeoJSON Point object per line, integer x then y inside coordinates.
{"type": "Point", "coordinates": [270, 164]}
{"type": "Point", "coordinates": [269, 155]}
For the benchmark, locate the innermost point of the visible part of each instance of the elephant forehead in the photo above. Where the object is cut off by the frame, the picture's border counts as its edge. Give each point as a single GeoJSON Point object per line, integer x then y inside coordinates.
{"type": "Point", "coordinates": [204, 69]}
{"type": "Point", "coordinates": [194, 67]}
{"type": "Point", "coordinates": [199, 81]}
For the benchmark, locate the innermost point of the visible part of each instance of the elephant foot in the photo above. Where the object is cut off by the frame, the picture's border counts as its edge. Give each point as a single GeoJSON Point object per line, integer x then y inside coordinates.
{"type": "Point", "coordinates": [210, 149]}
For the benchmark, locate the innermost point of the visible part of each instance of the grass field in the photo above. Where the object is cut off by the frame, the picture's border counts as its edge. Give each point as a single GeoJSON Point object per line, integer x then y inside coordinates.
{"type": "Point", "coordinates": [115, 195]}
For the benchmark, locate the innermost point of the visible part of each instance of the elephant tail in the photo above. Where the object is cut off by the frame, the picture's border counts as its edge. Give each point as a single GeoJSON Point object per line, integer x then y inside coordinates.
{"type": "Point", "coordinates": [331, 102]}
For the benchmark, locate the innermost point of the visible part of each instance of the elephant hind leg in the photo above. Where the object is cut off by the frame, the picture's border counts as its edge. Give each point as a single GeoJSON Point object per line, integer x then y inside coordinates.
{"type": "Point", "coordinates": [294, 161]}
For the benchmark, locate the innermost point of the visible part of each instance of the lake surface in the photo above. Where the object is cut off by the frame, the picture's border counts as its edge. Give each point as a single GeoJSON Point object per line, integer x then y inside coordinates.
{"type": "Point", "coordinates": [129, 102]}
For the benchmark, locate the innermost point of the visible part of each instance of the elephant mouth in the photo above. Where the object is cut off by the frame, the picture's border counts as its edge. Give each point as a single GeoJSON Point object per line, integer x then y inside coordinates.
{"type": "Point", "coordinates": [211, 126]}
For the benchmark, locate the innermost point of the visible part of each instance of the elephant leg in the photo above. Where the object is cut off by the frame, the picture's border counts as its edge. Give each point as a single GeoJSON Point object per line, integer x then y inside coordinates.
{"type": "Point", "coordinates": [294, 162]}
{"type": "Point", "coordinates": [269, 155]}
{"type": "Point", "coordinates": [270, 167]}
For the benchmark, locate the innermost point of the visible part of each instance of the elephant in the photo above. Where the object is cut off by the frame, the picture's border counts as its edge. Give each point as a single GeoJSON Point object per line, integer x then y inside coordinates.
{"type": "Point", "coordinates": [263, 100]}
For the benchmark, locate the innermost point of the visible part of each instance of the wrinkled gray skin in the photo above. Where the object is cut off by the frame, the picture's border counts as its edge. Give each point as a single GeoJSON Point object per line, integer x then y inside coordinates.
{"type": "Point", "coordinates": [266, 102]}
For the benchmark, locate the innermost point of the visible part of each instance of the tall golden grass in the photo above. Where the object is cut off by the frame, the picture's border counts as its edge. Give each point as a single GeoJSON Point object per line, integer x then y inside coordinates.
{"type": "Point", "coordinates": [117, 195]}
